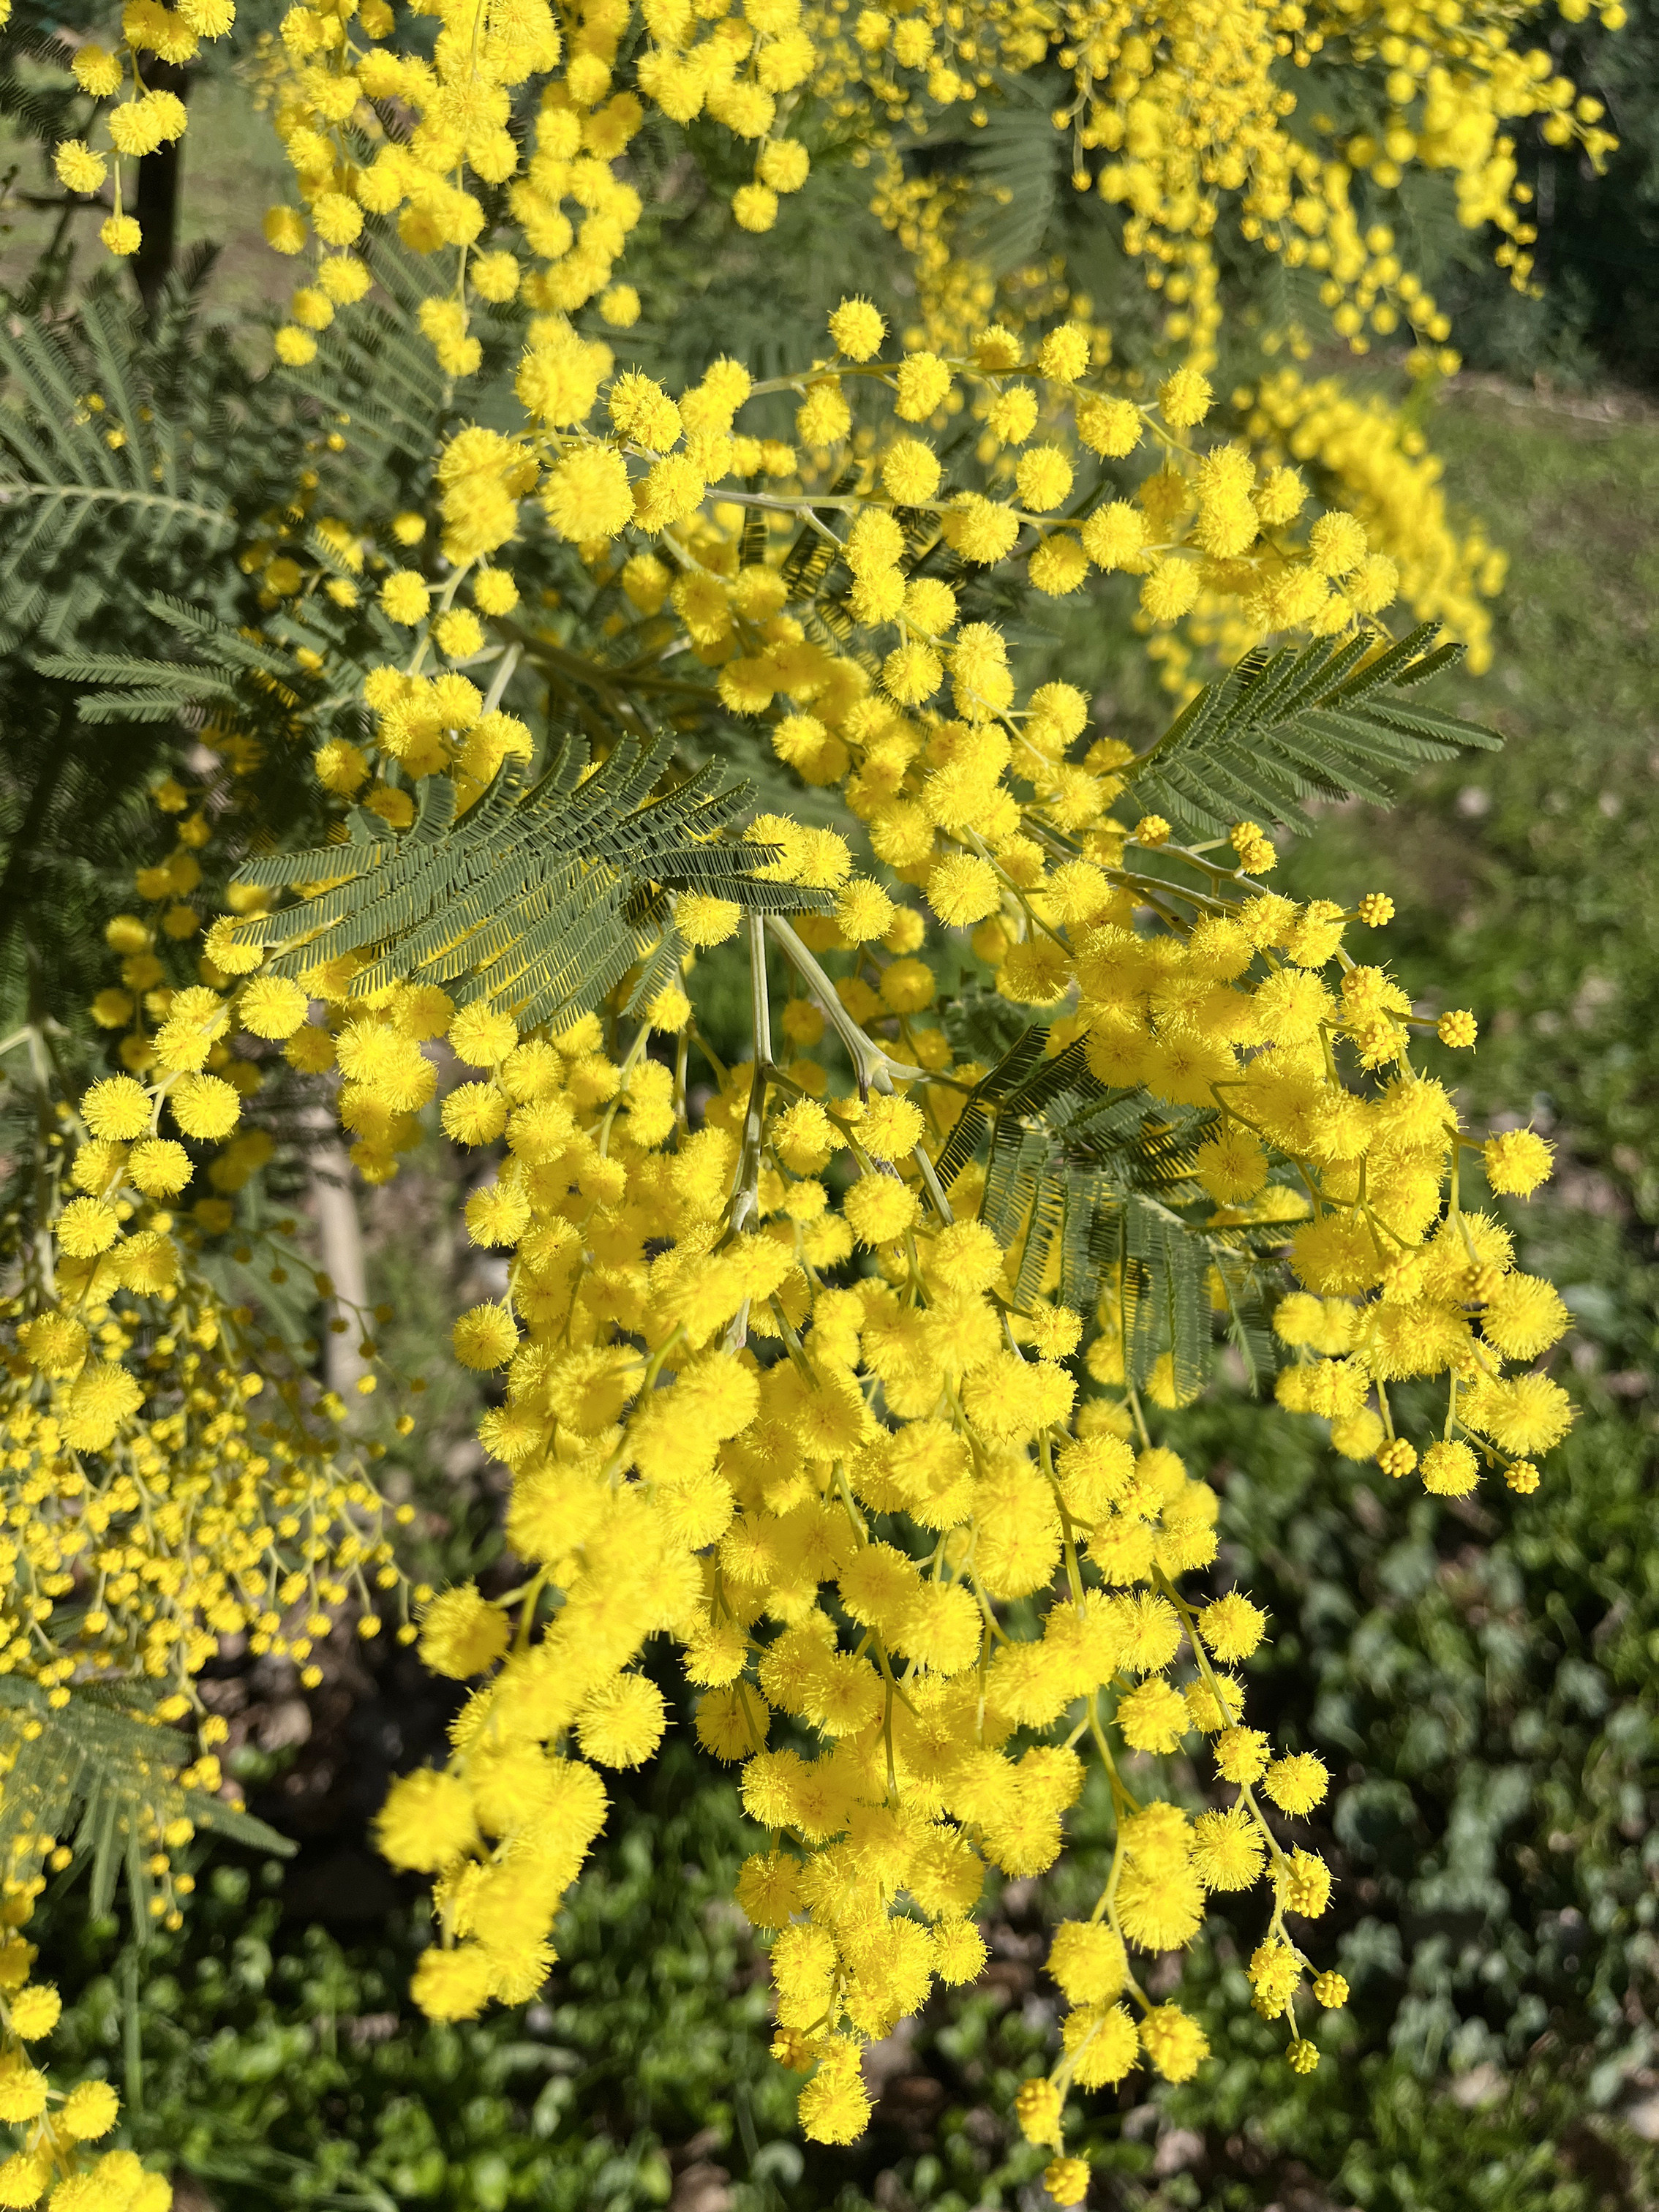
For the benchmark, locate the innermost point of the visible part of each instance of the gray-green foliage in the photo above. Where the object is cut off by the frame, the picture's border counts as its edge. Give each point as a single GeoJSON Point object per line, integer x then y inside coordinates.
{"type": "Point", "coordinates": [97, 1772]}
{"type": "Point", "coordinates": [541, 897]}
{"type": "Point", "coordinates": [1096, 1176]}
{"type": "Point", "coordinates": [1286, 726]}
{"type": "Point", "coordinates": [89, 532]}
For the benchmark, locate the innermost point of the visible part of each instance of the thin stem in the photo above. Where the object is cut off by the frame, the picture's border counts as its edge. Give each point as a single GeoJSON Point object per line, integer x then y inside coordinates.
{"type": "Point", "coordinates": [746, 1192]}
{"type": "Point", "coordinates": [502, 677]}
{"type": "Point", "coordinates": [933, 1186]}
{"type": "Point", "coordinates": [874, 1067]}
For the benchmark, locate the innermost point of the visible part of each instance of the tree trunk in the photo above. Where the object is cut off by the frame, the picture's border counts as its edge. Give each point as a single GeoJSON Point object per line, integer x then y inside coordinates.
{"type": "Point", "coordinates": [156, 204]}
{"type": "Point", "coordinates": [340, 1235]}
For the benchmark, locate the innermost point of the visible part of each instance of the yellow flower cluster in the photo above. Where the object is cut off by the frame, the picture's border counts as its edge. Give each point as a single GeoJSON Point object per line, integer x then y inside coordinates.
{"type": "Point", "coordinates": [1185, 115]}
{"type": "Point", "coordinates": [1077, 481]}
{"type": "Point", "coordinates": [867, 1508]}
{"type": "Point", "coordinates": [1380, 470]}
{"type": "Point", "coordinates": [141, 120]}
{"type": "Point", "coordinates": [168, 1482]}
{"type": "Point", "coordinates": [170, 1478]}
{"type": "Point", "coordinates": [56, 2128]}
{"type": "Point", "coordinates": [770, 1384]}
{"type": "Point", "coordinates": [1181, 116]}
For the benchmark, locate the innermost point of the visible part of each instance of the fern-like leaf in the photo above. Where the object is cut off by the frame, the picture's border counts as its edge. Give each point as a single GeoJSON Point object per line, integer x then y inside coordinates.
{"type": "Point", "coordinates": [1290, 725]}
{"type": "Point", "coordinates": [99, 1778]}
{"type": "Point", "coordinates": [1103, 1179]}
{"type": "Point", "coordinates": [539, 899]}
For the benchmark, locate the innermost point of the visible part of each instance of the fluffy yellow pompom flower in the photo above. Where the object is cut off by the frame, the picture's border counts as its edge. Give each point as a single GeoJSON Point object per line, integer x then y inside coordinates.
{"type": "Point", "coordinates": [211, 18]}
{"type": "Point", "coordinates": [1184, 398]}
{"type": "Point", "coordinates": [89, 2111]}
{"type": "Point", "coordinates": [86, 1227]}
{"type": "Point", "coordinates": [1044, 477]}
{"type": "Point", "coordinates": [879, 1209]}
{"type": "Point", "coordinates": [1528, 1415]}
{"type": "Point", "coordinates": [785, 165]}
{"type": "Point", "coordinates": [139, 126]}
{"type": "Point", "coordinates": [462, 1634]}
{"type": "Point", "coordinates": [1111, 428]}
{"type": "Point", "coordinates": [1101, 2044]}
{"type": "Point", "coordinates": [891, 1126]}
{"type": "Point", "coordinates": [864, 912]}
{"type": "Point", "coordinates": [117, 1108]}
{"type": "Point", "coordinates": [910, 471]}
{"type": "Point", "coordinates": [1153, 1718]}
{"type": "Point", "coordinates": [959, 1951]}
{"type": "Point", "coordinates": [1175, 2042]}
{"type": "Point", "coordinates": [427, 1819]}
{"type": "Point", "coordinates": [924, 383]}
{"type": "Point", "coordinates": [1297, 1783]}
{"type": "Point", "coordinates": [1518, 1161]}
{"type": "Point", "coordinates": [272, 1007]}
{"type": "Point", "coordinates": [452, 1985]}
{"type": "Point", "coordinates": [96, 70]}
{"type": "Point", "coordinates": [482, 1036]}
{"type": "Point", "coordinates": [1227, 1849]}
{"type": "Point", "coordinates": [1231, 1626]}
{"type": "Point", "coordinates": [1088, 1961]}
{"type": "Point", "coordinates": [484, 1337]}
{"type": "Point", "coordinates": [474, 1114]}
{"type": "Point", "coordinates": [79, 169]}
{"type": "Point", "coordinates": [707, 920]}
{"type": "Point", "coordinates": [1170, 590]}
{"type": "Point", "coordinates": [22, 2093]}
{"type": "Point", "coordinates": [588, 495]}
{"type": "Point", "coordinates": [494, 592]}
{"type": "Point", "coordinates": [285, 229]}
{"type": "Point", "coordinates": [1450, 1470]}
{"type": "Point", "coordinates": [1114, 535]}
{"type": "Point", "coordinates": [102, 1398]}
{"type": "Point", "coordinates": [35, 2010]}
{"type": "Point", "coordinates": [858, 329]}
{"type": "Point", "coordinates": [834, 2105]}
{"type": "Point", "coordinates": [1064, 354]}
{"type": "Point", "coordinates": [980, 530]}
{"type": "Point", "coordinates": [1059, 566]}
{"type": "Point", "coordinates": [755, 206]}
{"type": "Point", "coordinates": [622, 1725]}
{"type": "Point", "coordinates": [963, 889]}
{"type": "Point", "coordinates": [1336, 545]}
{"type": "Point", "coordinates": [205, 1106]}
{"type": "Point", "coordinates": [54, 1343]}
{"type": "Point", "coordinates": [405, 596]}
{"type": "Point", "coordinates": [159, 1168]}
{"type": "Point", "coordinates": [804, 1137]}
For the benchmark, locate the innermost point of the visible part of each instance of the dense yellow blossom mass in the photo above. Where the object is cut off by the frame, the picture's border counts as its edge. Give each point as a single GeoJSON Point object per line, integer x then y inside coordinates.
{"type": "Point", "coordinates": [801, 1369]}
{"type": "Point", "coordinates": [1178, 124]}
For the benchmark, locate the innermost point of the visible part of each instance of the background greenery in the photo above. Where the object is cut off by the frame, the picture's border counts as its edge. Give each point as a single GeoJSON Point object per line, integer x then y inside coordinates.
{"type": "Point", "coordinates": [1479, 1675]}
